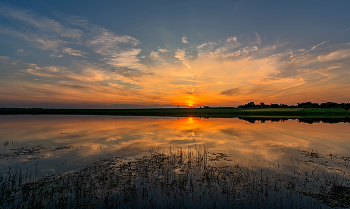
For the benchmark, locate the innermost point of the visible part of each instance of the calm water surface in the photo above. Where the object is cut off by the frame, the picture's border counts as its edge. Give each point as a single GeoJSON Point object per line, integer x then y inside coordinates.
{"type": "Point", "coordinates": [47, 145]}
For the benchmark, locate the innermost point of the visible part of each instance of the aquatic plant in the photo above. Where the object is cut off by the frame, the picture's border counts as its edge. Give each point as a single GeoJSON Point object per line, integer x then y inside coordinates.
{"type": "Point", "coordinates": [180, 178]}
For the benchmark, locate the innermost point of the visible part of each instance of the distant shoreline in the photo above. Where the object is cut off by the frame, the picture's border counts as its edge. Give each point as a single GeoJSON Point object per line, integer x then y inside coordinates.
{"type": "Point", "coordinates": [190, 112]}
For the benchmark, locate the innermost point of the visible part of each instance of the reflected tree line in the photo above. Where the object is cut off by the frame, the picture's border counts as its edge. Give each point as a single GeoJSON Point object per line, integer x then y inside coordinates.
{"type": "Point", "coordinates": [345, 106]}
{"type": "Point", "coordinates": [301, 120]}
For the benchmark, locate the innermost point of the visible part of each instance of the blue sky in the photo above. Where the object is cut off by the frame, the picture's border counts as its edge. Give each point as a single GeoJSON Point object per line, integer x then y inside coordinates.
{"type": "Point", "coordinates": [163, 53]}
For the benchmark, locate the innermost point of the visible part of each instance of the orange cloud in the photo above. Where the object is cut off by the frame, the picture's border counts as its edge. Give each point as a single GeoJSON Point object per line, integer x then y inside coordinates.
{"type": "Point", "coordinates": [222, 73]}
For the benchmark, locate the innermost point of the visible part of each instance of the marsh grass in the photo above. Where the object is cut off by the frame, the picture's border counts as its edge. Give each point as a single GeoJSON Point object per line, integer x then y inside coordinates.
{"type": "Point", "coordinates": [179, 178]}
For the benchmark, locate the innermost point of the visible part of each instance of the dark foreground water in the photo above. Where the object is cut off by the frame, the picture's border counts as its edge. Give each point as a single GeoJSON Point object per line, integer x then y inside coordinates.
{"type": "Point", "coordinates": [143, 162]}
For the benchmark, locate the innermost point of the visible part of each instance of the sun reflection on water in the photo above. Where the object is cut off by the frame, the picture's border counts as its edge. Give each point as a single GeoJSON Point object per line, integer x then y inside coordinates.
{"type": "Point", "coordinates": [98, 137]}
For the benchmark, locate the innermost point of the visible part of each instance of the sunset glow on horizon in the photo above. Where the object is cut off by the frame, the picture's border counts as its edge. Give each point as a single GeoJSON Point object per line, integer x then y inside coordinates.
{"type": "Point", "coordinates": [157, 54]}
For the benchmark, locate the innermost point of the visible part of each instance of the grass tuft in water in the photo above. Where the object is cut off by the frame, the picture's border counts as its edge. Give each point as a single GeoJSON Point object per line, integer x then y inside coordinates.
{"type": "Point", "coordinates": [181, 178]}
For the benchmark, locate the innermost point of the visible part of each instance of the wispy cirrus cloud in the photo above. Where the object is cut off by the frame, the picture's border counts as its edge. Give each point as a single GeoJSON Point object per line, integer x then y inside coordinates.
{"type": "Point", "coordinates": [258, 39]}
{"type": "Point", "coordinates": [314, 47]}
{"type": "Point", "coordinates": [73, 52]}
{"type": "Point", "coordinates": [43, 23]}
{"type": "Point", "coordinates": [118, 51]}
{"type": "Point", "coordinates": [181, 54]}
{"type": "Point", "coordinates": [47, 34]}
{"type": "Point", "coordinates": [106, 67]}
{"type": "Point", "coordinates": [42, 32]}
{"type": "Point", "coordinates": [20, 52]}
{"type": "Point", "coordinates": [106, 42]}
{"type": "Point", "coordinates": [42, 42]}
{"type": "Point", "coordinates": [73, 20]}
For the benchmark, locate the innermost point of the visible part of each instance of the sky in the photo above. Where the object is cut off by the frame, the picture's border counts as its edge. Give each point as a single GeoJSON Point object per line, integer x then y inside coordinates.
{"type": "Point", "coordinates": [146, 54]}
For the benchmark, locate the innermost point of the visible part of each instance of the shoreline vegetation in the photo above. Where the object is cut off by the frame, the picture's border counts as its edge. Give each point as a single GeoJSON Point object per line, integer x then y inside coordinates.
{"type": "Point", "coordinates": [223, 112]}
{"type": "Point", "coordinates": [280, 111]}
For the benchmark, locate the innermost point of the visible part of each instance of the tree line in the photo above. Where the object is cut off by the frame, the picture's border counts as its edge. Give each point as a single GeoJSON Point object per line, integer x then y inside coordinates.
{"type": "Point", "coordinates": [345, 106]}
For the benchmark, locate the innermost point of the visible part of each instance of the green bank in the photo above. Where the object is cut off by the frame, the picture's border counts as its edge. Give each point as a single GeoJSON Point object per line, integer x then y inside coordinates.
{"type": "Point", "coordinates": [188, 112]}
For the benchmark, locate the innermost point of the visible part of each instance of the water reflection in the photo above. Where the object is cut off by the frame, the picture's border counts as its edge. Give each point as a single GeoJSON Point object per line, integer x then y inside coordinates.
{"type": "Point", "coordinates": [301, 120]}
{"type": "Point", "coordinates": [290, 150]}
{"type": "Point", "coordinates": [96, 137]}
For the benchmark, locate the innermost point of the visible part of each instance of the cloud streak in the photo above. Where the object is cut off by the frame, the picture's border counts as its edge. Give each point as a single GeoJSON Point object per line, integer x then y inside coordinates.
{"type": "Point", "coordinates": [73, 52]}
{"type": "Point", "coordinates": [230, 92]}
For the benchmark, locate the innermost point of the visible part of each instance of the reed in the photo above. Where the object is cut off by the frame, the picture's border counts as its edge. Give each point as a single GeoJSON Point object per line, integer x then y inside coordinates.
{"type": "Point", "coordinates": [179, 178]}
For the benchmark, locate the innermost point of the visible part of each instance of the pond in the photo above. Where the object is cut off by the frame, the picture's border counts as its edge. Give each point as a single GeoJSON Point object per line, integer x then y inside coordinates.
{"type": "Point", "coordinates": [167, 162]}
